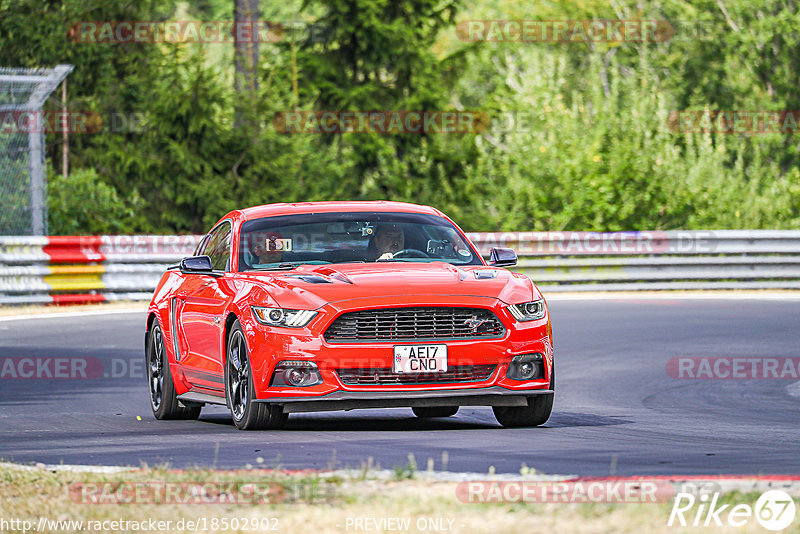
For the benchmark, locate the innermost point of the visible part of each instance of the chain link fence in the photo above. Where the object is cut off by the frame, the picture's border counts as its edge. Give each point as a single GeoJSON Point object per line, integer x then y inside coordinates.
{"type": "Point", "coordinates": [23, 184]}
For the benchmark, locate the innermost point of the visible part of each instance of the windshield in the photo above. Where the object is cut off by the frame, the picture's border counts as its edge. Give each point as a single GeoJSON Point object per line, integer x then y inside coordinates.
{"type": "Point", "coordinates": [287, 241]}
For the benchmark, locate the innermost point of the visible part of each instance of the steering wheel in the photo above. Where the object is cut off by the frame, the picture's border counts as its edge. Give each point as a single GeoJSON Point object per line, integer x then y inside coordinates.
{"type": "Point", "coordinates": [410, 253]}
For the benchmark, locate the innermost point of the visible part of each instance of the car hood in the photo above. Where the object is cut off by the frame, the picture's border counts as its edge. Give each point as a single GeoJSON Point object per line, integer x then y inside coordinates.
{"type": "Point", "coordinates": [314, 286]}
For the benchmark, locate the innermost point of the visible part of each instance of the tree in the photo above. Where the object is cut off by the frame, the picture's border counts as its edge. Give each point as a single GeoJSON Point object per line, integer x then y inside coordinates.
{"type": "Point", "coordinates": [378, 55]}
{"type": "Point", "coordinates": [246, 36]}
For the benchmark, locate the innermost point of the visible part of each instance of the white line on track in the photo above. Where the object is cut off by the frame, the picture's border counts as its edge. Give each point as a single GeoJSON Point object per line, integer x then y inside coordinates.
{"type": "Point", "coordinates": [61, 315]}
{"type": "Point", "coordinates": [727, 483]}
{"type": "Point", "coordinates": [107, 469]}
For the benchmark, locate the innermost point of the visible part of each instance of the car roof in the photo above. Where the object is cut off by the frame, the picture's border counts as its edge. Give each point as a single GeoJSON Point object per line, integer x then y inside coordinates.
{"type": "Point", "coordinates": [270, 210]}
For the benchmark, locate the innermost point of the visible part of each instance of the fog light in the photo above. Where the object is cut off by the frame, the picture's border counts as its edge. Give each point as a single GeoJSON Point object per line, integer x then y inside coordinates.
{"type": "Point", "coordinates": [526, 370]}
{"type": "Point", "coordinates": [526, 367]}
{"type": "Point", "coordinates": [295, 377]}
{"type": "Point", "coordinates": [296, 373]}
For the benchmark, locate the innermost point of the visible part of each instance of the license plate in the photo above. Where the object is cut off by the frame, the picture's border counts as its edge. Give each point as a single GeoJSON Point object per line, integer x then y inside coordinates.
{"type": "Point", "coordinates": [420, 358]}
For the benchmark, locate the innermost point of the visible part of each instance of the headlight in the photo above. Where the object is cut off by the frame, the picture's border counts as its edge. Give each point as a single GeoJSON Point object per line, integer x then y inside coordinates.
{"type": "Point", "coordinates": [528, 311]}
{"type": "Point", "coordinates": [282, 317]}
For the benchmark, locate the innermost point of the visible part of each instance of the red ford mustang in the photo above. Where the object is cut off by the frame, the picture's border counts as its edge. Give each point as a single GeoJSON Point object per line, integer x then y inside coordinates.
{"type": "Point", "coordinates": [306, 307]}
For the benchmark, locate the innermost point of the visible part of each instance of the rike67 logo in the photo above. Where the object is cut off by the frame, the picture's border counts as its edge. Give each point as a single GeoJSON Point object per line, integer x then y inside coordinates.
{"type": "Point", "coordinates": [774, 510]}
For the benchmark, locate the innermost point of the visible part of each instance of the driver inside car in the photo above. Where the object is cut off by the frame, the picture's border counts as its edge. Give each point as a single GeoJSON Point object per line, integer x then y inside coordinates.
{"type": "Point", "coordinates": [263, 248]}
{"type": "Point", "coordinates": [389, 239]}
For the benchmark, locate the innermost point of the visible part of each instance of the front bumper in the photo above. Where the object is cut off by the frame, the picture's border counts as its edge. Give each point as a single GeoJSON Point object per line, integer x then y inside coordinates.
{"type": "Point", "coordinates": [351, 400]}
{"type": "Point", "coordinates": [270, 345]}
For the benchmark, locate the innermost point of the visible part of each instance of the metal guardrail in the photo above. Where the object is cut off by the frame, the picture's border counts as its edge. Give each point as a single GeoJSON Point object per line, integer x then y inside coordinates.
{"type": "Point", "coordinates": [79, 269]}
{"type": "Point", "coordinates": [67, 270]}
{"type": "Point", "coordinates": [656, 260]}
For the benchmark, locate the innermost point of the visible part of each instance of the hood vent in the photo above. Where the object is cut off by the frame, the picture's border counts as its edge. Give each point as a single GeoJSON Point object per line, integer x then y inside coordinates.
{"type": "Point", "coordinates": [311, 278]}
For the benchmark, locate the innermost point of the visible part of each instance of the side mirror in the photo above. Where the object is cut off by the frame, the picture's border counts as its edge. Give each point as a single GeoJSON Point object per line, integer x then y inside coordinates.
{"type": "Point", "coordinates": [502, 257]}
{"type": "Point", "coordinates": [196, 265]}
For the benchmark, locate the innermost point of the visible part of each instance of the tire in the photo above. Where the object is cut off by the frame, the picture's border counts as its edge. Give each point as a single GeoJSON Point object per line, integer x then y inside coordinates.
{"type": "Point", "coordinates": [536, 413]}
{"type": "Point", "coordinates": [247, 415]}
{"type": "Point", "coordinates": [163, 401]}
{"type": "Point", "coordinates": [436, 411]}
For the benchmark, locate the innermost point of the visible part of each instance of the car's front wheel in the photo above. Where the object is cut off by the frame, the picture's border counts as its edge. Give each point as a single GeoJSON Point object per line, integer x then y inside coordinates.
{"type": "Point", "coordinates": [163, 400]}
{"type": "Point", "coordinates": [435, 411]}
{"type": "Point", "coordinates": [247, 414]}
{"type": "Point", "coordinates": [536, 413]}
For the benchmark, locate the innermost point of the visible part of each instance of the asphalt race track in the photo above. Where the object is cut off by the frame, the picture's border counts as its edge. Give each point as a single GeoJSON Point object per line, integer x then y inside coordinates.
{"type": "Point", "coordinates": [617, 409]}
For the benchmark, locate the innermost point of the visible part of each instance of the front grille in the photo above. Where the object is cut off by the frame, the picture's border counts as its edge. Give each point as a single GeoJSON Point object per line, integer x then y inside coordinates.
{"type": "Point", "coordinates": [376, 376]}
{"type": "Point", "coordinates": [408, 324]}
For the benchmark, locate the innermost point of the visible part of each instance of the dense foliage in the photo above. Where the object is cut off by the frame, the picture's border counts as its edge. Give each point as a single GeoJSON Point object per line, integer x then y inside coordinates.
{"type": "Point", "coordinates": [579, 136]}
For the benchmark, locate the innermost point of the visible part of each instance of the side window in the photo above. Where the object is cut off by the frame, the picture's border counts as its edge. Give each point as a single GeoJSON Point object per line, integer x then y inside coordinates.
{"type": "Point", "coordinates": [201, 246]}
{"type": "Point", "coordinates": [218, 247]}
